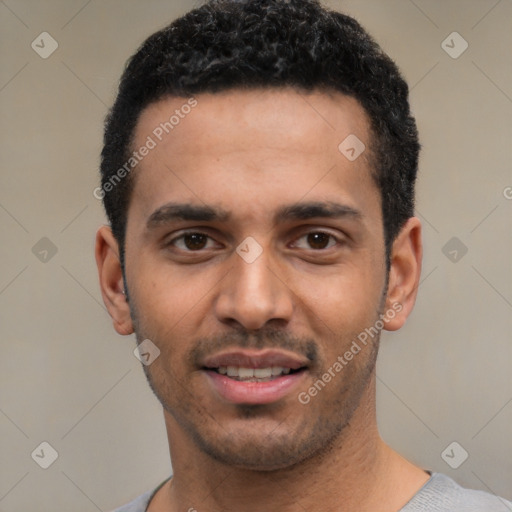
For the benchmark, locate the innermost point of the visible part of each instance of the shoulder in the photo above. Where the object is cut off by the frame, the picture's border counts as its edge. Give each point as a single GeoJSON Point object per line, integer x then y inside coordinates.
{"type": "Point", "coordinates": [141, 503]}
{"type": "Point", "coordinates": [442, 494]}
{"type": "Point", "coordinates": [137, 505]}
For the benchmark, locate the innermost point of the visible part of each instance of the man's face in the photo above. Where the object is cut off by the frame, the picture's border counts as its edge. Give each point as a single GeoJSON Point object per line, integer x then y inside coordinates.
{"type": "Point", "coordinates": [277, 262]}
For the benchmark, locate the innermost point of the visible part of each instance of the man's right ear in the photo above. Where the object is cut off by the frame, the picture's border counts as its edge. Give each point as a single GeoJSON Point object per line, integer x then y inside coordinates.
{"type": "Point", "coordinates": [111, 280]}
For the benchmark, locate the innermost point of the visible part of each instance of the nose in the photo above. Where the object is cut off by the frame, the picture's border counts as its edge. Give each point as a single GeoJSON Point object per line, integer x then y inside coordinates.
{"type": "Point", "coordinates": [253, 295]}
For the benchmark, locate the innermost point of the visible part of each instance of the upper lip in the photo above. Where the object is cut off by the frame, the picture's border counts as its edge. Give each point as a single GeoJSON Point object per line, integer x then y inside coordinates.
{"type": "Point", "coordinates": [256, 359]}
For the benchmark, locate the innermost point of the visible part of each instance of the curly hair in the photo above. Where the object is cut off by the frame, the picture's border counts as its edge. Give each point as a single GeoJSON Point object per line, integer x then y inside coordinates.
{"type": "Point", "coordinates": [247, 44]}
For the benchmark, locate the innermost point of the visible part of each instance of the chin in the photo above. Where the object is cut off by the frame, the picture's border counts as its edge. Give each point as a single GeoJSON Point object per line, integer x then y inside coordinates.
{"type": "Point", "coordinates": [268, 448]}
{"type": "Point", "coordinates": [254, 457]}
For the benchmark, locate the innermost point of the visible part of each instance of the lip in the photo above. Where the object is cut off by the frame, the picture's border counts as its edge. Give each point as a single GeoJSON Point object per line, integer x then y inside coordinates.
{"type": "Point", "coordinates": [256, 359]}
{"type": "Point", "coordinates": [253, 393]}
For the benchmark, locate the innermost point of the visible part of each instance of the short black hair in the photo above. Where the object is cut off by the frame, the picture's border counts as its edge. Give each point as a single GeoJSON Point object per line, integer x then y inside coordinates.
{"type": "Point", "coordinates": [247, 44]}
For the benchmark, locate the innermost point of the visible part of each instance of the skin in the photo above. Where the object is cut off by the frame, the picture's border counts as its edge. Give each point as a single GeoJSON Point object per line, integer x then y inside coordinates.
{"type": "Point", "coordinates": [251, 153]}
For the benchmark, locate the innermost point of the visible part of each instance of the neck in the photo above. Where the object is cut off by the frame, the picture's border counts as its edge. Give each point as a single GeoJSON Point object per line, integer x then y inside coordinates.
{"type": "Point", "coordinates": [358, 472]}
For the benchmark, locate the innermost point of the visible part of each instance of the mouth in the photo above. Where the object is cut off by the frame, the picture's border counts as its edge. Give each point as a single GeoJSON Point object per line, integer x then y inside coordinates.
{"type": "Point", "coordinates": [243, 374]}
{"type": "Point", "coordinates": [248, 377]}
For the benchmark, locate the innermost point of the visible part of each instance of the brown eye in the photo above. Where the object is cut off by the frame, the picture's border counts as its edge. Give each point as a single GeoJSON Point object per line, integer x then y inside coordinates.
{"type": "Point", "coordinates": [318, 240]}
{"type": "Point", "coordinates": [195, 241]}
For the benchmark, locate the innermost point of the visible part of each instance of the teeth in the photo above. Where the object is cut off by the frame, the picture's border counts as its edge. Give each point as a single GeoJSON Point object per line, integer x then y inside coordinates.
{"type": "Point", "coordinates": [263, 373]}
{"type": "Point", "coordinates": [246, 373]}
{"type": "Point", "coordinates": [243, 373]}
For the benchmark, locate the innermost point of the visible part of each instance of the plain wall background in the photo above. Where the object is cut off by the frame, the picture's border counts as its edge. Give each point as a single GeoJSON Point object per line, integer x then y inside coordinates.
{"type": "Point", "coordinates": [68, 379]}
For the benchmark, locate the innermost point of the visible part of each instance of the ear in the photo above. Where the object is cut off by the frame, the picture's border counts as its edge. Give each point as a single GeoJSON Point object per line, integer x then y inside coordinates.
{"type": "Point", "coordinates": [111, 280]}
{"type": "Point", "coordinates": [404, 274]}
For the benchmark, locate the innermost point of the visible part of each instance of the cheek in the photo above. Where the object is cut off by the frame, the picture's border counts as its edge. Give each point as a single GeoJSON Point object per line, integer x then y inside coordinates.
{"type": "Point", "coordinates": [164, 293]}
{"type": "Point", "coordinates": [170, 304]}
{"type": "Point", "coordinates": [335, 312]}
{"type": "Point", "coordinates": [346, 297]}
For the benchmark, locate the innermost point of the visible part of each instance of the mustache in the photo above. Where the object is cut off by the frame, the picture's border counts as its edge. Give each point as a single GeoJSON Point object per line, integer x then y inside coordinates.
{"type": "Point", "coordinates": [257, 340]}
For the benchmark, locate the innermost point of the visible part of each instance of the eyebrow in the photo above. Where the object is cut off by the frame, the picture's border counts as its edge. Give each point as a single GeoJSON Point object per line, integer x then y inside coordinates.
{"type": "Point", "coordinates": [185, 211]}
{"type": "Point", "coordinates": [202, 213]}
{"type": "Point", "coordinates": [310, 210]}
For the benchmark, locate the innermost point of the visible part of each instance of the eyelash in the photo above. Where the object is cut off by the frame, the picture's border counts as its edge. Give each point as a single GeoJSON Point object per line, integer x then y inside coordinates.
{"type": "Point", "coordinates": [173, 241]}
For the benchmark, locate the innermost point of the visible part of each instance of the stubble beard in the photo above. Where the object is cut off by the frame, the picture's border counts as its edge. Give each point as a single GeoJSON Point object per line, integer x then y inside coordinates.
{"type": "Point", "coordinates": [267, 446]}
{"type": "Point", "coordinates": [277, 448]}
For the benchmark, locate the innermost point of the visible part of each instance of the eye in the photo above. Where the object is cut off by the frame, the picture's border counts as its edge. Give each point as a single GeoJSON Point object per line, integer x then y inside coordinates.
{"type": "Point", "coordinates": [192, 241]}
{"type": "Point", "coordinates": [317, 240]}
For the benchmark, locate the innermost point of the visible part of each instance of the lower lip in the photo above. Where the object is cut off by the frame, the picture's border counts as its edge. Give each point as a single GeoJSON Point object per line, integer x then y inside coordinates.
{"type": "Point", "coordinates": [240, 392]}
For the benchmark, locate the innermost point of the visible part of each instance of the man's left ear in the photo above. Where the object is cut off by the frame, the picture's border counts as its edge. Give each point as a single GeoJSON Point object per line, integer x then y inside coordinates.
{"type": "Point", "coordinates": [404, 274]}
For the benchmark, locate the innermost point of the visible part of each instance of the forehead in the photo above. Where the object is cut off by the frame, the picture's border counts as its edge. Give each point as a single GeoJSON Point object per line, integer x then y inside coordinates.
{"type": "Point", "coordinates": [253, 151]}
{"type": "Point", "coordinates": [276, 117]}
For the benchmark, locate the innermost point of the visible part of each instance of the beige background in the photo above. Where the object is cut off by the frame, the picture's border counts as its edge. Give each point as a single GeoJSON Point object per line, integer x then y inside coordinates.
{"type": "Point", "coordinates": [69, 380]}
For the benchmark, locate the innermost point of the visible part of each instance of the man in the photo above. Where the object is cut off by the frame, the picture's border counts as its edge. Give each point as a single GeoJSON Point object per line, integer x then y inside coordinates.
{"type": "Point", "coordinates": [258, 173]}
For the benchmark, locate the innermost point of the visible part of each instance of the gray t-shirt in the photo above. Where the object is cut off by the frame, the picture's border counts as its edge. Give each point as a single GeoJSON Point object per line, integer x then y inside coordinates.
{"type": "Point", "coordinates": [439, 494]}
